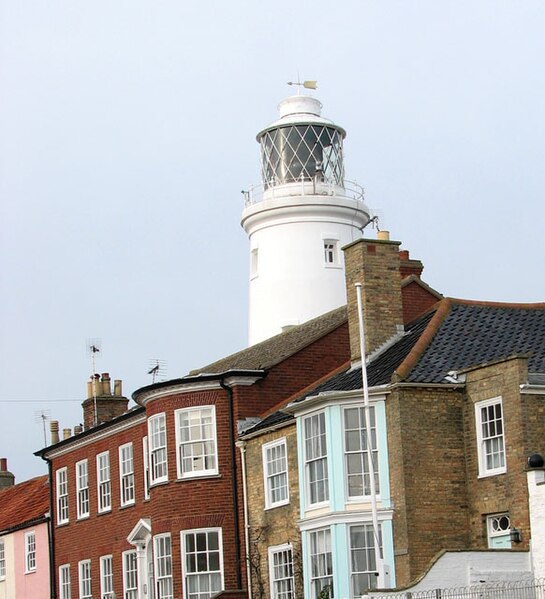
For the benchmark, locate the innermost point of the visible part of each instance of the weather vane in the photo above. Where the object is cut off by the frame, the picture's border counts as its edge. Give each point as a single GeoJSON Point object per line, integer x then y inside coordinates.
{"type": "Point", "coordinates": [306, 84]}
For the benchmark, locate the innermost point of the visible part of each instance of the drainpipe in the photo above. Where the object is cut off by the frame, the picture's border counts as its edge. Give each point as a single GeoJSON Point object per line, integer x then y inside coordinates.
{"type": "Point", "coordinates": [234, 491]}
{"type": "Point", "coordinates": [242, 446]}
{"type": "Point", "coordinates": [51, 530]}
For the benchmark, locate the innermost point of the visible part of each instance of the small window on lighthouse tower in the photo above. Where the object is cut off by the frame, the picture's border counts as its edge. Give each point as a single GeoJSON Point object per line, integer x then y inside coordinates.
{"type": "Point", "coordinates": [253, 263]}
{"type": "Point", "coordinates": [330, 252]}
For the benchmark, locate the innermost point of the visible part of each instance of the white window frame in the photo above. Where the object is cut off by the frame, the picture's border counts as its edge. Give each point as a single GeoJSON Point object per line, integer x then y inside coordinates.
{"type": "Point", "coordinates": [360, 454]}
{"type": "Point", "coordinates": [493, 530]}
{"type": "Point", "coordinates": [157, 442]}
{"type": "Point", "coordinates": [315, 457]}
{"type": "Point", "coordinates": [130, 575]}
{"type": "Point", "coordinates": [281, 578]}
{"type": "Point", "coordinates": [369, 549]}
{"type": "Point", "coordinates": [30, 552]}
{"type": "Point", "coordinates": [104, 483]}
{"type": "Point", "coordinates": [486, 440]}
{"type": "Point", "coordinates": [62, 495]}
{"type": "Point", "coordinates": [204, 461]}
{"type": "Point", "coordinates": [162, 566]}
{"type": "Point", "coordinates": [65, 588]}
{"type": "Point", "coordinates": [145, 458]}
{"type": "Point", "coordinates": [82, 489]}
{"type": "Point", "coordinates": [84, 579]}
{"type": "Point", "coordinates": [318, 558]}
{"type": "Point", "coordinates": [254, 263]}
{"type": "Point", "coordinates": [2, 559]}
{"type": "Point", "coordinates": [106, 577]}
{"type": "Point", "coordinates": [275, 473]}
{"type": "Point", "coordinates": [126, 474]}
{"type": "Point", "coordinates": [186, 558]}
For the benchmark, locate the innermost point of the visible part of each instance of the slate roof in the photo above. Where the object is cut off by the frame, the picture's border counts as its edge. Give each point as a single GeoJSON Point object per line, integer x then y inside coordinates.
{"type": "Point", "coordinates": [474, 333]}
{"type": "Point", "coordinates": [274, 350]}
{"type": "Point", "coordinates": [454, 335]}
{"type": "Point", "coordinates": [25, 503]}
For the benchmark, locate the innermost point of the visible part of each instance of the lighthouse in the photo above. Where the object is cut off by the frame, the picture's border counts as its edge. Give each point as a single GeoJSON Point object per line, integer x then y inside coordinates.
{"type": "Point", "coordinates": [298, 219]}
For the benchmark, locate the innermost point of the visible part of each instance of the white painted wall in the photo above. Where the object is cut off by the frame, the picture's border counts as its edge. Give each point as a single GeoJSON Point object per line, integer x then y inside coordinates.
{"type": "Point", "coordinates": [464, 568]}
{"type": "Point", "coordinates": [536, 501]}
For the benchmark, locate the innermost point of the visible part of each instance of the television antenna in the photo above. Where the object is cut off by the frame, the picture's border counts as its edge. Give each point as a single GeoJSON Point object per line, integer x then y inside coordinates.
{"type": "Point", "coordinates": [158, 369]}
{"type": "Point", "coordinates": [94, 347]}
{"type": "Point", "coordinates": [43, 416]}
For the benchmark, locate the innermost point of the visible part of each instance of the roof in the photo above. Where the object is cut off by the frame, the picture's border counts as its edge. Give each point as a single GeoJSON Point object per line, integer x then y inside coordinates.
{"type": "Point", "coordinates": [24, 504]}
{"type": "Point", "coordinates": [455, 335]}
{"type": "Point", "coordinates": [468, 334]}
{"type": "Point", "coordinates": [274, 350]}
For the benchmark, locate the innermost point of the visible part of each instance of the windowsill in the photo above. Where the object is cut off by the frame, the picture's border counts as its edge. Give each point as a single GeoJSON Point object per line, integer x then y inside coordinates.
{"type": "Point", "coordinates": [104, 512]}
{"type": "Point", "coordinates": [61, 524]}
{"type": "Point", "coordinates": [337, 266]}
{"type": "Point", "coordinates": [188, 477]}
{"type": "Point", "coordinates": [30, 572]}
{"type": "Point", "coordinates": [127, 505]}
{"type": "Point", "coordinates": [280, 504]}
{"type": "Point", "coordinates": [159, 483]}
{"type": "Point", "coordinates": [86, 517]}
{"type": "Point", "coordinates": [489, 474]}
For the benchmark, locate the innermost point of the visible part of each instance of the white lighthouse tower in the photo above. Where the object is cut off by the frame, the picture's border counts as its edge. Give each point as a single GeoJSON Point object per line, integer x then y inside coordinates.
{"type": "Point", "coordinates": [298, 220]}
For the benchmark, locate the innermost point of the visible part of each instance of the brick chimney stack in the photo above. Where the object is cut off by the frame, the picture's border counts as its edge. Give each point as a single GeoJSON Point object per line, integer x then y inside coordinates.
{"type": "Point", "coordinates": [101, 400]}
{"type": "Point", "coordinates": [7, 479]}
{"type": "Point", "coordinates": [375, 263]}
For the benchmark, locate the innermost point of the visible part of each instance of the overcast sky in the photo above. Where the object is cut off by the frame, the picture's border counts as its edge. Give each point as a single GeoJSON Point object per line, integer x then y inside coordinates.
{"type": "Point", "coordinates": [127, 131]}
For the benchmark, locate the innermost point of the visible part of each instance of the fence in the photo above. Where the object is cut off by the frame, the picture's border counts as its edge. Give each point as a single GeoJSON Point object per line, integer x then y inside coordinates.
{"type": "Point", "coordinates": [522, 589]}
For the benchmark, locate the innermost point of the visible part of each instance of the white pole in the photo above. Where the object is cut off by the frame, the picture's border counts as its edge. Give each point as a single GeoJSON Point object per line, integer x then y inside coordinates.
{"type": "Point", "coordinates": [242, 446]}
{"type": "Point", "coordinates": [376, 545]}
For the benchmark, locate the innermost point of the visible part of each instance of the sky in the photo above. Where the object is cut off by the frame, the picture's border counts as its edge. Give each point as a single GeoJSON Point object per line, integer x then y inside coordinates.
{"type": "Point", "coordinates": [127, 132]}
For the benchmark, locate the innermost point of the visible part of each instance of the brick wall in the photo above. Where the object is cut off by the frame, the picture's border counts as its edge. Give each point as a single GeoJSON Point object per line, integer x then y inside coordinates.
{"type": "Point", "coordinates": [276, 526]}
{"type": "Point", "coordinates": [427, 476]}
{"type": "Point", "coordinates": [416, 300]}
{"type": "Point", "coordinates": [504, 492]}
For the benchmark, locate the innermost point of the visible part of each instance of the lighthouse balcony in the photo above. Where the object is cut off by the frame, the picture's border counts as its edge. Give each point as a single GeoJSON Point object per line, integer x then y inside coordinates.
{"type": "Point", "coordinates": [305, 187]}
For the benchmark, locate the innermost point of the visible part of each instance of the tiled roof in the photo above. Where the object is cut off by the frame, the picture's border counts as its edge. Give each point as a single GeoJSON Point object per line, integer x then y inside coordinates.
{"type": "Point", "coordinates": [272, 351]}
{"type": "Point", "coordinates": [24, 503]}
{"type": "Point", "coordinates": [455, 335]}
{"type": "Point", "coordinates": [473, 333]}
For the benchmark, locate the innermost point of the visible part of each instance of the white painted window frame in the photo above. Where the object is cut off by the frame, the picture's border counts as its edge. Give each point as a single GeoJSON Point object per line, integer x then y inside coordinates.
{"type": "Point", "coordinates": [106, 577]}
{"type": "Point", "coordinates": [362, 453]}
{"type": "Point", "coordinates": [82, 489]}
{"type": "Point", "coordinates": [369, 550]}
{"type": "Point", "coordinates": [2, 559]}
{"type": "Point", "coordinates": [130, 574]}
{"type": "Point", "coordinates": [30, 552]}
{"type": "Point", "coordinates": [276, 581]}
{"type": "Point", "coordinates": [310, 460]}
{"type": "Point", "coordinates": [482, 440]}
{"type": "Point", "coordinates": [162, 563]}
{"type": "Point", "coordinates": [126, 474]}
{"type": "Point", "coordinates": [158, 451]}
{"type": "Point", "coordinates": [314, 581]}
{"type": "Point", "coordinates": [65, 588]}
{"type": "Point", "coordinates": [145, 459]}
{"type": "Point", "coordinates": [330, 249]}
{"type": "Point", "coordinates": [104, 482]}
{"type": "Point", "coordinates": [84, 579]}
{"type": "Point", "coordinates": [181, 443]}
{"type": "Point", "coordinates": [185, 571]}
{"type": "Point", "coordinates": [268, 477]}
{"type": "Point", "coordinates": [61, 477]}
{"type": "Point", "coordinates": [494, 534]}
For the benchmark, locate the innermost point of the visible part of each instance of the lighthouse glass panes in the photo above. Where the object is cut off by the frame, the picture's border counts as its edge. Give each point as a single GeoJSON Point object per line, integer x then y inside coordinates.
{"type": "Point", "coordinates": [298, 152]}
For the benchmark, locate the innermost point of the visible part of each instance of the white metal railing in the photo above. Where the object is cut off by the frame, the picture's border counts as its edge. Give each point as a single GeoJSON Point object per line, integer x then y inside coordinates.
{"type": "Point", "coordinates": [520, 589]}
{"type": "Point", "coordinates": [304, 187]}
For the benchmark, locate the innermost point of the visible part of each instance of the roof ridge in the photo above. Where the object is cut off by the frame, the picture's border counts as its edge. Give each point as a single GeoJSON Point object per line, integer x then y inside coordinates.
{"type": "Point", "coordinates": [442, 308]}
{"type": "Point", "coordinates": [494, 304]}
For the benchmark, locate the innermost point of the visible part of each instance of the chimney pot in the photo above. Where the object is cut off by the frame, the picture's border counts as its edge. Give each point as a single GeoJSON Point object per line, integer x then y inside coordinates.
{"type": "Point", "coordinates": [54, 429]}
{"type": "Point", "coordinates": [404, 254]}
{"type": "Point", "coordinates": [7, 479]}
{"type": "Point", "coordinates": [66, 433]}
{"type": "Point", "coordinates": [118, 388]}
{"type": "Point", "coordinates": [383, 235]}
{"type": "Point", "coordinates": [3, 464]}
